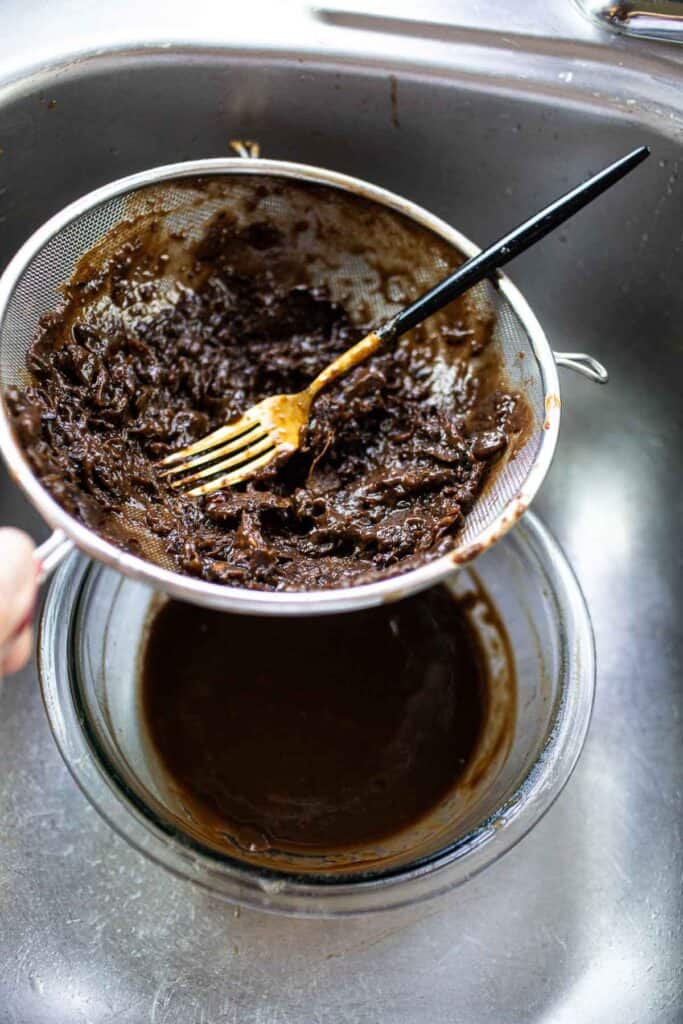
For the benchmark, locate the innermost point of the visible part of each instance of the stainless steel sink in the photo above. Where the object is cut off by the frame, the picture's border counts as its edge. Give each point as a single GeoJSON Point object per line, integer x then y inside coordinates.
{"type": "Point", "coordinates": [582, 921]}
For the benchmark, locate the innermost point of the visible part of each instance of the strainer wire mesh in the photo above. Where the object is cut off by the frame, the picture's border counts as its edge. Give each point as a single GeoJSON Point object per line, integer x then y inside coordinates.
{"type": "Point", "coordinates": [184, 207]}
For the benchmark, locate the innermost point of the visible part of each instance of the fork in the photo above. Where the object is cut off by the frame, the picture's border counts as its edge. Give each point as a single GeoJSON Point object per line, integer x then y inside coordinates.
{"type": "Point", "coordinates": [273, 428]}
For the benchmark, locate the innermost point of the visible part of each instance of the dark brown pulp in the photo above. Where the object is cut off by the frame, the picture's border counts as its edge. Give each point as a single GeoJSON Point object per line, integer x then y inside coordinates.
{"type": "Point", "coordinates": [150, 351]}
{"type": "Point", "coordinates": [313, 735]}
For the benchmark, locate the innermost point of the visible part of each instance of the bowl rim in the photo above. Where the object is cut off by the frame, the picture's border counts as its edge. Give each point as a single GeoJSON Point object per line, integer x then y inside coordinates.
{"type": "Point", "coordinates": [263, 602]}
{"type": "Point", "coordinates": [326, 895]}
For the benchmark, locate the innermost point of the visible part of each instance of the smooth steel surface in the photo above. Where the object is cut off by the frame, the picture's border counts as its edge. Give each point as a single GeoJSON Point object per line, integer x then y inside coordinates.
{"type": "Point", "coordinates": [581, 923]}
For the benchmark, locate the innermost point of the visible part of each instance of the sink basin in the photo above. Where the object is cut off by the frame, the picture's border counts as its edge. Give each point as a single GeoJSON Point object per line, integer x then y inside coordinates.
{"type": "Point", "coordinates": [582, 920]}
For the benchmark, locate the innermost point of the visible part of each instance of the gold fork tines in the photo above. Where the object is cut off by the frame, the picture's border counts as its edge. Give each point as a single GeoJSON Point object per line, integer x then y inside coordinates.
{"type": "Point", "coordinates": [242, 454]}
{"type": "Point", "coordinates": [238, 450]}
{"type": "Point", "coordinates": [234, 433]}
{"type": "Point", "coordinates": [270, 429]}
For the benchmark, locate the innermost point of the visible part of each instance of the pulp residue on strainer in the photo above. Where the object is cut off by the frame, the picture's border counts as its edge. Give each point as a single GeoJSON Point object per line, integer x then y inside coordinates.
{"type": "Point", "coordinates": [165, 335]}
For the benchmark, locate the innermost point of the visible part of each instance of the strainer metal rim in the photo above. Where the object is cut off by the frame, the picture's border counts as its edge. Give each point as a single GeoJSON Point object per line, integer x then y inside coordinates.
{"type": "Point", "coordinates": [237, 599]}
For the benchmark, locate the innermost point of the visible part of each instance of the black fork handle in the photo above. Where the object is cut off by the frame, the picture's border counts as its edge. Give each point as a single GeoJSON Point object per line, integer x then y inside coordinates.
{"type": "Point", "coordinates": [510, 245]}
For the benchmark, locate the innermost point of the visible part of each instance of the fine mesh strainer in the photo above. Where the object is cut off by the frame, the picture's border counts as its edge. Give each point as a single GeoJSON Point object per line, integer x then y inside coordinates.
{"type": "Point", "coordinates": [406, 242]}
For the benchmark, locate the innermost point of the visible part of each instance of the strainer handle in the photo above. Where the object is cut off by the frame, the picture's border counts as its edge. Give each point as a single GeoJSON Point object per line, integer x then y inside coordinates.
{"type": "Point", "coordinates": [51, 552]}
{"type": "Point", "coordinates": [584, 364]}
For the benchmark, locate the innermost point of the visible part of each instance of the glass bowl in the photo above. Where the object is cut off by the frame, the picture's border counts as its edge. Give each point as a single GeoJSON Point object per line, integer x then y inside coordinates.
{"type": "Point", "coordinates": [92, 633]}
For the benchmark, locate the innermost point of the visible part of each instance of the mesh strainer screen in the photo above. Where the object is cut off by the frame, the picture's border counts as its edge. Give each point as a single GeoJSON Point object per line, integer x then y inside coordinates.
{"type": "Point", "coordinates": [371, 258]}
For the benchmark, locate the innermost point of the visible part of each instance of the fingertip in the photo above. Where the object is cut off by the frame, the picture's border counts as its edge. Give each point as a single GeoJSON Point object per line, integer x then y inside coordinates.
{"type": "Point", "coordinates": [17, 542]}
{"type": "Point", "coordinates": [19, 652]}
{"type": "Point", "coordinates": [18, 581]}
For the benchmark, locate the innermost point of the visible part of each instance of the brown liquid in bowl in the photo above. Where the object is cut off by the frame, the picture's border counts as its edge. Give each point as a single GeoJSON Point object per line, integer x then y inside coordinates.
{"type": "Point", "coordinates": [313, 736]}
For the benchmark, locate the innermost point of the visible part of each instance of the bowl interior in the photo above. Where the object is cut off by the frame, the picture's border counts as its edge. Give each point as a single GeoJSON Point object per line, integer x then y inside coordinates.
{"type": "Point", "coordinates": [90, 676]}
